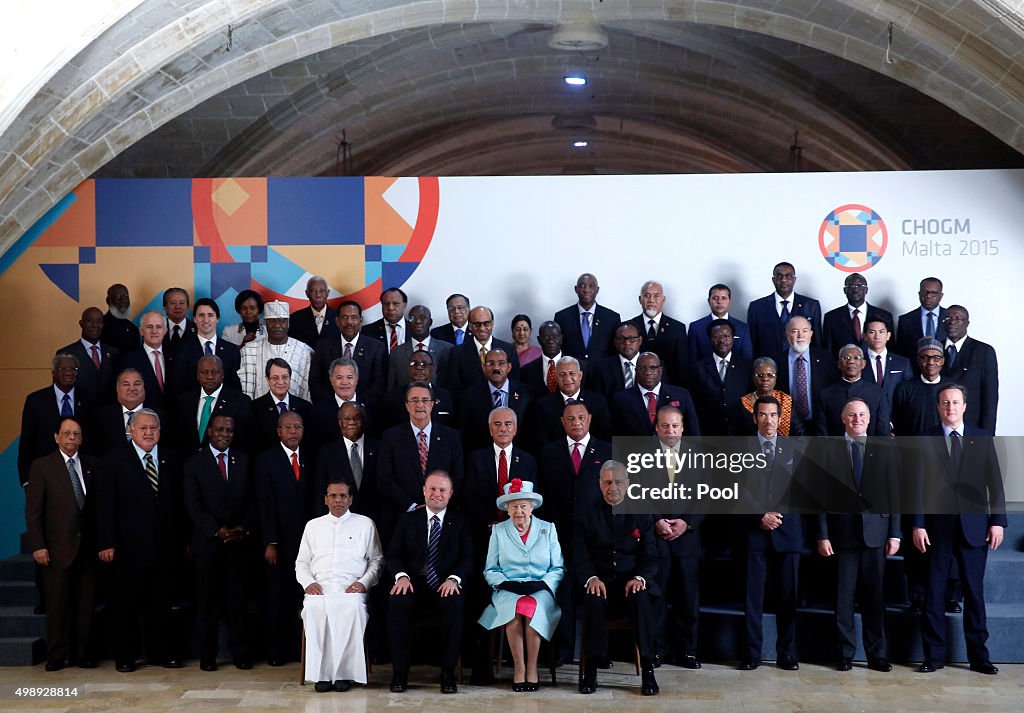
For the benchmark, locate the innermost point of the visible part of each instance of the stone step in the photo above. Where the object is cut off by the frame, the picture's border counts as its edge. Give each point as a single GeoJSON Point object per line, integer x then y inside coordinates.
{"type": "Point", "coordinates": [18, 594]}
{"type": "Point", "coordinates": [21, 651]}
{"type": "Point", "coordinates": [20, 621]}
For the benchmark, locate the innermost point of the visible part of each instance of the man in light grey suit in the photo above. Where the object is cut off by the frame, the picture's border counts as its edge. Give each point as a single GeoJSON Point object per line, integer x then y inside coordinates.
{"type": "Point", "coordinates": [419, 340]}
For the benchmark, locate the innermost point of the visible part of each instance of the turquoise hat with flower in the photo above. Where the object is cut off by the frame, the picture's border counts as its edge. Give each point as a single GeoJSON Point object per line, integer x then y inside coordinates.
{"type": "Point", "coordinates": [517, 489]}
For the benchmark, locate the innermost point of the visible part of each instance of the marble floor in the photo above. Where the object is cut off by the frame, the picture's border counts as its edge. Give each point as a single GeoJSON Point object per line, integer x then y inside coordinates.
{"type": "Point", "coordinates": [715, 688]}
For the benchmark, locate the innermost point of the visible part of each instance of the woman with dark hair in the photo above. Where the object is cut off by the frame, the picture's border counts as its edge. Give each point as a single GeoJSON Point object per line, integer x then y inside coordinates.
{"type": "Point", "coordinates": [522, 328]}
{"type": "Point", "coordinates": [249, 305]}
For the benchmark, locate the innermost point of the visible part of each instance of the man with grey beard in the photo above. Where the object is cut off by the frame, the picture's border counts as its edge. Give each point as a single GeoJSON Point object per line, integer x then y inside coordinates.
{"type": "Point", "coordinates": [118, 330]}
{"type": "Point", "coordinates": [804, 371]}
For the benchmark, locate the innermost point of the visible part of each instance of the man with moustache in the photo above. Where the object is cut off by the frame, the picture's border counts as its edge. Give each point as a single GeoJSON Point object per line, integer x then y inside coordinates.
{"type": "Point", "coordinates": [467, 360]}
{"type": "Point", "coordinates": [96, 359]}
{"type": "Point", "coordinates": [661, 334]}
{"type": "Point", "coordinates": [458, 321]}
{"type": "Point", "coordinates": [617, 372]}
{"type": "Point", "coordinates": [278, 344]}
{"type": "Point", "coordinates": [587, 326]}
{"type": "Point", "coordinates": [419, 367]}
{"type": "Point", "coordinates": [370, 355]}
{"type": "Point", "coordinates": [804, 370]}
{"type": "Point", "coordinates": [344, 380]}
{"type": "Point", "coordinates": [477, 401]}
{"type": "Point", "coordinates": [419, 340]}
{"type": "Point", "coordinates": [118, 330]}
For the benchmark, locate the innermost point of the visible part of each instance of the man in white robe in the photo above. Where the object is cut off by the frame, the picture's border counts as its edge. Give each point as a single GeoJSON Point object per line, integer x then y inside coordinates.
{"type": "Point", "coordinates": [339, 559]}
{"type": "Point", "coordinates": [256, 354]}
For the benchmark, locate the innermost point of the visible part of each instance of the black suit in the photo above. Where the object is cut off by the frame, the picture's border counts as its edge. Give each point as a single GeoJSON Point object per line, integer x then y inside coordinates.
{"type": "Point", "coordinates": [285, 505]}
{"type": "Point", "coordinates": [266, 413]}
{"type": "Point", "coordinates": [716, 399]}
{"type": "Point", "coordinates": [407, 553]}
{"type": "Point", "coordinates": [322, 426]}
{"type": "Point", "coordinates": [53, 521]}
{"type": "Point", "coordinates": [976, 368]}
{"type": "Point", "coordinates": [393, 412]}
{"type": "Point", "coordinates": [222, 568]}
{"type": "Point", "coordinates": [399, 474]}
{"type": "Point", "coordinates": [858, 521]}
{"type": "Point", "coordinates": [631, 417]}
{"type": "Point", "coordinates": [821, 371]}
{"type": "Point", "coordinates": [334, 462]}
{"type": "Point", "coordinates": [156, 397]}
{"type": "Point", "coordinates": [961, 504]}
{"type": "Point", "coordinates": [40, 417]}
{"type": "Point", "coordinates": [909, 330]}
{"type": "Point", "coordinates": [378, 330]}
{"type": "Point", "coordinates": [302, 325]}
{"type": "Point", "coordinates": [602, 332]}
{"type": "Point", "coordinates": [97, 385]}
{"type": "Point", "coordinates": [446, 333]}
{"type": "Point", "coordinates": [480, 490]}
{"type": "Point", "coordinates": [606, 376]}
{"type": "Point", "coordinates": [398, 360]}
{"type": "Point", "coordinates": [186, 362]}
{"type": "Point", "coordinates": [669, 343]}
{"type": "Point", "coordinates": [476, 404]}
{"type": "Point", "coordinates": [147, 532]}
{"type": "Point", "coordinates": [615, 549]}
{"type": "Point", "coordinates": [838, 327]}
{"type": "Point", "coordinates": [369, 355]}
{"type": "Point", "coordinates": [535, 377]}
{"type": "Point", "coordinates": [121, 334]}
{"type": "Point", "coordinates": [465, 369]}
{"type": "Point", "coordinates": [543, 421]}
{"type": "Point", "coordinates": [228, 403]}
{"type": "Point", "coordinates": [772, 490]}
{"type": "Point", "coordinates": [767, 331]}
{"type": "Point", "coordinates": [828, 407]}
{"type": "Point", "coordinates": [172, 345]}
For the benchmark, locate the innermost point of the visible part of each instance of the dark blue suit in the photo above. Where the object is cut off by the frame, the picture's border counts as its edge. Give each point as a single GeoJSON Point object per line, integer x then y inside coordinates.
{"type": "Point", "coordinates": [187, 362]}
{"type": "Point", "coordinates": [767, 331]}
{"type": "Point", "coordinates": [602, 331]}
{"type": "Point", "coordinates": [698, 345]}
{"type": "Point", "coordinates": [895, 370]}
{"type": "Point", "coordinates": [909, 331]}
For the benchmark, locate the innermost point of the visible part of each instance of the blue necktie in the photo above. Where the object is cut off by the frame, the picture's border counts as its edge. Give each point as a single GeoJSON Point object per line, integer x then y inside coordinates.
{"type": "Point", "coordinates": [950, 355]}
{"type": "Point", "coordinates": [282, 407]}
{"type": "Point", "coordinates": [66, 411]}
{"type": "Point", "coordinates": [586, 329]}
{"type": "Point", "coordinates": [930, 325]}
{"type": "Point", "coordinates": [459, 334]}
{"type": "Point", "coordinates": [209, 348]}
{"type": "Point", "coordinates": [432, 541]}
{"type": "Point", "coordinates": [858, 463]}
{"type": "Point", "coordinates": [784, 315]}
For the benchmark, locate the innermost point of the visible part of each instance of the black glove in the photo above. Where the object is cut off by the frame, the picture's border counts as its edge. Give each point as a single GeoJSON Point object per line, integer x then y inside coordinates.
{"type": "Point", "coordinates": [522, 588]}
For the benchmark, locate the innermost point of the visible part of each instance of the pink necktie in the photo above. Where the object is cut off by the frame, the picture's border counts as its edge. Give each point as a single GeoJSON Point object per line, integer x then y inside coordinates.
{"type": "Point", "coordinates": [577, 459]}
{"type": "Point", "coordinates": [424, 451]}
{"type": "Point", "coordinates": [158, 370]}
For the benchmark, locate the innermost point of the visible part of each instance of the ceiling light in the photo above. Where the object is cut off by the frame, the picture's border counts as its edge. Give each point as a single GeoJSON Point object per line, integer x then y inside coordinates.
{"type": "Point", "coordinates": [575, 81]}
{"type": "Point", "coordinates": [579, 144]}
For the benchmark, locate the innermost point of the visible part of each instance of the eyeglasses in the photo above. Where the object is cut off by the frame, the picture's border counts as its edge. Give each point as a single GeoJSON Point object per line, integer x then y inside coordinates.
{"type": "Point", "coordinates": [627, 339]}
{"type": "Point", "coordinates": [73, 369]}
{"type": "Point", "coordinates": [947, 320]}
{"type": "Point", "coordinates": [851, 357]}
{"type": "Point", "coordinates": [477, 325]}
{"type": "Point", "coordinates": [930, 358]}
{"type": "Point", "coordinates": [421, 400]}
{"type": "Point", "coordinates": [764, 375]}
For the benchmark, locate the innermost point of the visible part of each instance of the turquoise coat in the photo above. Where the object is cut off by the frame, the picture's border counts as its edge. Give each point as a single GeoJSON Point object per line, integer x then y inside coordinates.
{"type": "Point", "coordinates": [508, 559]}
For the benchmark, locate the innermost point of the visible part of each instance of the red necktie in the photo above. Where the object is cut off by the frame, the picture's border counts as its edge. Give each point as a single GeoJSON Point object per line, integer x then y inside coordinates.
{"type": "Point", "coordinates": [652, 406]}
{"type": "Point", "coordinates": [295, 465]}
{"type": "Point", "coordinates": [419, 347]}
{"type": "Point", "coordinates": [424, 452]}
{"type": "Point", "coordinates": [879, 371]}
{"type": "Point", "coordinates": [393, 342]}
{"type": "Point", "coordinates": [856, 325]}
{"type": "Point", "coordinates": [158, 370]}
{"type": "Point", "coordinates": [577, 459]}
{"type": "Point", "coordinates": [223, 467]}
{"type": "Point", "coordinates": [95, 356]}
{"type": "Point", "coordinates": [551, 377]}
{"type": "Point", "coordinates": [502, 472]}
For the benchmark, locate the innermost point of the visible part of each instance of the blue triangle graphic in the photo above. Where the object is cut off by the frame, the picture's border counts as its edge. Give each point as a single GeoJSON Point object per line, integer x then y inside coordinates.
{"type": "Point", "coordinates": [65, 277]}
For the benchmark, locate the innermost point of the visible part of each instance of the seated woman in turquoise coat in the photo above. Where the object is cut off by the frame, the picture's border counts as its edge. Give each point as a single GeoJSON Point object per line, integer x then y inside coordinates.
{"type": "Point", "coordinates": [524, 567]}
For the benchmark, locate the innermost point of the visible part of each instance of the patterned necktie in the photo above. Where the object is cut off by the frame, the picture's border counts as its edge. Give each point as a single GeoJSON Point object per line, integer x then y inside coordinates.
{"type": "Point", "coordinates": [858, 335]}
{"type": "Point", "coordinates": [483, 359]}
{"type": "Point", "coordinates": [127, 420]}
{"type": "Point", "coordinates": [158, 369]}
{"type": "Point", "coordinates": [879, 371]}
{"type": "Point", "coordinates": [950, 355]}
{"type": "Point", "coordinates": [222, 467]}
{"type": "Point", "coordinates": [585, 328]}
{"type": "Point", "coordinates": [295, 466]}
{"type": "Point", "coordinates": [802, 407]}
{"type": "Point", "coordinates": [459, 334]}
{"type": "Point", "coordinates": [502, 471]}
{"type": "Point", "coordinates": [723, 369]}
{"type": "Point", "coordinates": [551, 377]}
{"type": "Point", "coordinates": [204, 417]}
{"type": "Point", "coordinates": [929, 330]}
{"type": "Point", "coordinates": [76, 484]}
{"type": "Point", "coordinates": [858, 463]}
{"type": "Point", "coordinates": [577, 459]}
{"type": "Point", "coordinates": [209, 348]}
{"type": "Point", "coordinates": [627, 374]}
{"type": "Point", "coordinates": [393, 341]}
{"type": "Point", "coordinates": [282, 408]}
{"type": "Point", "coordinates": [784, 315]}
{"type": "Point", "coordinates": [433, 579]}
{"type": "Point", "coordinates": [95, 355]}
{"type": "Point", "coordinates": [769, 453]}
{"type": "Point", "coordinates": [651, 331]}
{"type": "Point", "coordinates": [319, 322]}
{"type": "Point", "coordinates": [356, 465]}
{"type": "Point", "coordinates": [424, 452]}
{"type": "Point", "coordinates": [348, 350]}
{"type": "Point", "coordinates": [652, 406]}
{"type": "Point", "coordinates": [66, 411]}
{"type": "Point", "coordinates": [956, 449]}
{"type": "Point", "coordinates": [499, 397]}
{"type": "Point", "coordinates": [151, 473]}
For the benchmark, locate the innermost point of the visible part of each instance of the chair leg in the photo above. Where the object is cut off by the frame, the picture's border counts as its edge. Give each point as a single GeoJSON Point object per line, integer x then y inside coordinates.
{"type": "Point", "coordinates": [302, 659]}
{"type": "Point", "coordinates": [636, 657]}
{"type": "Point", "coordinates": [552, 660]}
{"type": "Point", "coordinates": [458, 670]}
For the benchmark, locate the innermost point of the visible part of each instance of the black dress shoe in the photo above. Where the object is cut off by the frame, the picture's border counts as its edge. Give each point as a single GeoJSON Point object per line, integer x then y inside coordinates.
{"type": "Point", "coordinates": [750, 665]}
{"type": "Point", "coordinates": [448, 682]}
{"type": "Point", "coordinates": [207, 665]}
{"type": "Point", "coordinates": [399, 682]}
{"type": "Point", "coordinates": [880, 665]}
{"type": "Point", "coordinates": [985, 667]}
{"type": "Point", "coordinates": [953, 606]}
{"type": "Point", "coordinates": [243, 664]}
{"type": "Point", "coordinates": [173, 663]}
{"type": "Point", "coordinates": [844, 664]}
{"type": "Point", "coordinates": [124, 667]}
{"type": "Point", "coordinates": [275, 662]}
{"type": "Point", "coordinates": [788, 663]}
{"type": "Point", "coordinates": [342, 685]}
{"type": "Point", "coordinates": [930, 667]}
{"type": "Point", "coordinates": [54, 665]}
{"type": "Point", "coordinates": [86, 663]}
{"type": "Point", "coordinates": [323, 686]}
{"type": "Point", "coordinates": [518, 686]}
{"type": "Point", "coordinates": [648, 684]}
{"type": "Point", "coordinates": [531, 686]}
{"type": "Point", "coordinates": [689, 661]}
{"type": "Point", "coordinates": [588, 682]}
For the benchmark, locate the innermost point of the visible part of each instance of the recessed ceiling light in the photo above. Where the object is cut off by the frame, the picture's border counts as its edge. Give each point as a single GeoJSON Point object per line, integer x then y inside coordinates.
{"type": "Point", "coordinates": [579, 144]}
{"type": "Point", "coordinates": [575, 81]}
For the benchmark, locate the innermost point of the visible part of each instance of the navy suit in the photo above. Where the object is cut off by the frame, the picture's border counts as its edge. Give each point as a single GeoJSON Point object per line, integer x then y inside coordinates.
{"type": "Point", "coordinates": [265, 415]}
{"type": "Point", "coordinates": [475, 404]}
{"type": "Point", "coordinates": [976, 368]}
{"type": "Point", "coordinates": [97, 385]}
{"type": "Point", "coordinates": [698, 345]}
{"type": "Point", "coordinates": [543, 422]}
{"type": "Point", "coordinates": [838, 327]}
{"type": "Point", "coordinates": [302, 325]}
{"type": "Point", "coordinates": [895, 370]}
{"type": "Point", "coordinates": [669, 343]}
{"type": "Point", "coordinates": [767, 331]}
{"type": "Point", "coordinates": [630, 416]}
{"type": "Point", "coordinates": [40, 417]}
{"type": "Point", "coordinates": [156, 397]}
{"type": "Point", "coordinates": [960, 505]}
{"type": "Point", "coordinates": [465, 369]}
{"type": "Point", "coordinates": [369, 355]}
{"type": "Point", "coordinates": [716, 400]}
{"type": "Point", "coordinates": [829, 403]}
{"type": "Point", "coordinates": [909, 331]}
{"type": "Point", "coordinates": [191, 351]}
{"type": "Point", "coordinates": [602, 331]}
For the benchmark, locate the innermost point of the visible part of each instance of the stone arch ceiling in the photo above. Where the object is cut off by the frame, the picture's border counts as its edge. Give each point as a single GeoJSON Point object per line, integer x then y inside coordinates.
{"type": "Point", "coordinates": [470, 87]}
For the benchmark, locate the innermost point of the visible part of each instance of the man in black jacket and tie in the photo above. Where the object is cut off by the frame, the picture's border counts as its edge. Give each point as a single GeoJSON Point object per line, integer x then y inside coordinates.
{"type": "Point", "coordinates": [269, 407]}
{"type": "Point", "coordinates": [317, 321]}
{"type": "Point", "coordinates": [352, 458]}
{"type": "Point", "coordinates": [719, 381]}
{"type": "Point", "coordinates": [973, 364]}
{"type": "Point", "coordinates": [466, 363]}
{"type": "Point", "coordinates": [924, 321]}
{"type": "Point", "coordinates": [634, 409]}
{"type": "Point", "coordinates": [431, 560]}
{"type": "Point", "coordinates": [197, 407]}
{"type": "Point", "coordinates": [663, 335]}
{"type": "Point", "coordinates": [587, 326]}
{"type": "Point", "coordinates": [96, 360]}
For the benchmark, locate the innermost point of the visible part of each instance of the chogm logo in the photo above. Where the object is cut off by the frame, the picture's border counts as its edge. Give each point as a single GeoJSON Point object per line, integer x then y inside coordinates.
{"type": "Point", "coordinates": [853, 238]}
